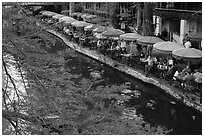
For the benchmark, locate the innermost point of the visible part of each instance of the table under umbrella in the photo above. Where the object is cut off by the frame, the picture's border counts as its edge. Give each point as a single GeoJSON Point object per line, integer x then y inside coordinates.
{"type": "Point", "coordinates": [146, 40]}
{"type": "Point", "coordinates": [130, 36]}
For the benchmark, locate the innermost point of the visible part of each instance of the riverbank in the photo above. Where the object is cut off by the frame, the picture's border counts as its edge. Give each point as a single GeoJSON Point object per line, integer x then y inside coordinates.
{"type": "Point", "coordinates": [174, 92]}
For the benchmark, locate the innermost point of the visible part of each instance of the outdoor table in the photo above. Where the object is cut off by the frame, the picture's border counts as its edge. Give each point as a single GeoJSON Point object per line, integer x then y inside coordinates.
{"type": "Point", "coordinates": [142, 62]}
{"type": "Point", "coordinates": [126, 57]}
{"type": "Point", "coordinates": [162, 69]}
{"type": "Point", "coordinates": [70, 35]}
{"type": "Point", "coordinates": [76, 39]}
{"type": "Point", "coordinates": [179, 79]}
{"type": "Point", "coordinates": [113, 52]}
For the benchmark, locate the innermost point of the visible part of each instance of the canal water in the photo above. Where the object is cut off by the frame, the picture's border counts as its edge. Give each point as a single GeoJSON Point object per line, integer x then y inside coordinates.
{"type": "Point", "coordinates": [156, 107]}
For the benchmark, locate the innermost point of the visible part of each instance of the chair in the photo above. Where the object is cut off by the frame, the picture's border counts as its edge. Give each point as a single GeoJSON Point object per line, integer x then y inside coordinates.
{"type": "Point", "coordinates": [169, 75]}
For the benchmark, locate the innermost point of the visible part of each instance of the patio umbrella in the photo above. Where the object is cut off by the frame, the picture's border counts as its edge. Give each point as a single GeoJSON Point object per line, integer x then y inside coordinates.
{"type": "Point", "coordinates": [57, 16]}
{"type": "Point", "coordinates": [96, 20]}
{"type": "Point", "coordinates": [68, 22]}
{"type": "Point", "coordinates": [75, 14]}
{"type": "Point", "coordinates": [65, 12]}
{"type": "Point", "coordinates": [90, 27]}
{"type": "Point", "coordinates": [130, 36]}
{"type": "Point", "coordinates": [167, 47]}
{"type": "Point", "coordinates": [48, 13]}
{"type": "Point", "coordinates": [66, 18]}
{"type": "Point", "coordinates": [112, 32]}
{"type": "Point", "coordinates": [41, 11]}
{"type": "Point", "coordinates": [91, 16]}
{"type": "Point", "coordinates": [146, 40]}
{"type": "Point", "coordinates": [100, 29]}
{"type": "Point", "coordinates": [188, 54]}
{"type": "Point", "coordinates": [80, 24]}
{"type": "Point", "coordinates": [85, 15]}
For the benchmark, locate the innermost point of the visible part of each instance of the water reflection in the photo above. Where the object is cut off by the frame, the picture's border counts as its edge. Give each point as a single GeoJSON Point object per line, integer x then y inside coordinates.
{"type": "Point", "coordinates": [149, 101]}
{"type": "Point", "coordinates": [14, 92]}
{"type": "Point", "coordinates": [14, 72]}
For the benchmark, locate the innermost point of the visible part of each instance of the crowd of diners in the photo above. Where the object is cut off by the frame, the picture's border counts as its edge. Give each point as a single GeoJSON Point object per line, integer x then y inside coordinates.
{"type": "Point", "coordinates": [177, 72]}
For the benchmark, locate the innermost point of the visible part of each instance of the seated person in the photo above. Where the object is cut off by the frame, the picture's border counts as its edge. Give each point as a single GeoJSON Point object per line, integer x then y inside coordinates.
{"type": "Point", "coordinates": [123, 50]}
{"type": "Point", "coordinates": [123, 44]}
{"type": "Point", "coordinates": [185, 70]}
{"type": "Point", "coordinates": [66, 31]}
{"type": "Point", "coordinates": [142, 55]}
{"type": "Point", "coordinates": [155, 60]}
{"type": "Point", "coordinates": [70, 33]}
{"type": "Point", "coordinates": [99, 43]}
{"type": "Point", "coordinates": [177, 74]}
{"type": "Point", "coordinates": [76, 35]}
{"type": "Point", "coordinates": [198, 76]}
{"type": "Point", "coordinates": [169, 73]}
{"type": "Point", "coordinates": [188, 76]}
{"type": "Point", "coordinates": [170, 62]}
{"type": "Point", "coordinates": [163, 64]}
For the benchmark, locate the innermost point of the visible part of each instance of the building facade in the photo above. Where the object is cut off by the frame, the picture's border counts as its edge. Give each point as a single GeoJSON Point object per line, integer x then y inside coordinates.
{"type": "Point", "coordinates": [181, 19]}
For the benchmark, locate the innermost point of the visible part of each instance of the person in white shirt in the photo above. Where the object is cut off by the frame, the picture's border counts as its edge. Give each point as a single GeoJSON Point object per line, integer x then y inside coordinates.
{"type": "Point", "coordinates": [187, 44]}
{"type": "Point", "coordinates": [198, 76]}
{"type": "Point", "coordinates": [177, 74]}
{"type": "Point", "coordinates": [149, 65]}
{"type": "Point", "coordinates": [123, 44]}
{"type": "Point", "coordinates": [170, 61]}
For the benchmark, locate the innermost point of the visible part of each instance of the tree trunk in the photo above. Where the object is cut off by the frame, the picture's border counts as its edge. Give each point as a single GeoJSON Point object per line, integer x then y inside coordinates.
{"type": "Point", "coordinates": [147, 19]}
{"type": "Point", "coordinates": [139, 11]}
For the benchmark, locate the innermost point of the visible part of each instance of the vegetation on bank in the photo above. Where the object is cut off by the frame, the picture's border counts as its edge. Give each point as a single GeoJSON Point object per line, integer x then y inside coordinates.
{"type": "Point", "coordinates": [54, 104]}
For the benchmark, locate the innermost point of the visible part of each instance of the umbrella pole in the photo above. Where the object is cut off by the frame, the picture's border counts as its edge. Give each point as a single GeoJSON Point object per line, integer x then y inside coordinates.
{"type": "Point", "coordinates": [188, 64]}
